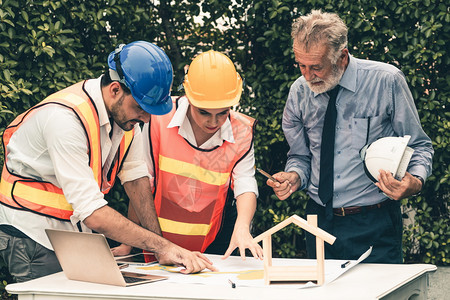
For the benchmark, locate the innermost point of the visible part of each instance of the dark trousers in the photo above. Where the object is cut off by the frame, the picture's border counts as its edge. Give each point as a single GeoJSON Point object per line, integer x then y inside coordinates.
{"type": "Point", "coordinates": [381, 228]}
{"type": "Point", "coordinates": [222, 240]}
{"type": "Point", "coordinates": [27, 259]}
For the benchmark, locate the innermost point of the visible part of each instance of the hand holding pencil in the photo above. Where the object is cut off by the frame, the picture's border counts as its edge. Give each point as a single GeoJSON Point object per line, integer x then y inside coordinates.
{"type": "Point", "coordinates": [282, 183]}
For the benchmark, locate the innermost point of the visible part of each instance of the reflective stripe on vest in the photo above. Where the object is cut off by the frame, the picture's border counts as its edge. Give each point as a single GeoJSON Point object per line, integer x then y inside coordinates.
{"type": "Point", "coordinates": [43, 197]}
{"type": "Point", "coordinates": [192, 183]}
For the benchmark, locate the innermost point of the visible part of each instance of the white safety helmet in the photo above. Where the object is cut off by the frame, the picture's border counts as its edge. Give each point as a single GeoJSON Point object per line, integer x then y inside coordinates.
{"type": "Point", "coordinates": [391, 154]}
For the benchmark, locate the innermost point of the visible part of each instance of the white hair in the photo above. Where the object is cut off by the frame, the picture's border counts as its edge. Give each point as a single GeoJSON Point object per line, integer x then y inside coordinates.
{"type": "Point", "coordinates": [318, 27]}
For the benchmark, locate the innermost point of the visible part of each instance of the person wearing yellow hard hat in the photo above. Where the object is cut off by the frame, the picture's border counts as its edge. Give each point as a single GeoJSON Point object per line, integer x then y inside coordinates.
{"type": "Point", "coordinates": [201, 157]}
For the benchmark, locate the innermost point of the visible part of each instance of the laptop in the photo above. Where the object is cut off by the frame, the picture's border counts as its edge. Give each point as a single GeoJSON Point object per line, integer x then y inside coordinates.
{"type": "Point", "coordinates": [87, 257]}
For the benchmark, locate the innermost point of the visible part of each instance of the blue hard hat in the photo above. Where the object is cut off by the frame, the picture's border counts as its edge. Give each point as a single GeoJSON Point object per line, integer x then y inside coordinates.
{"type": "Point", "coordinates": [147, 71]}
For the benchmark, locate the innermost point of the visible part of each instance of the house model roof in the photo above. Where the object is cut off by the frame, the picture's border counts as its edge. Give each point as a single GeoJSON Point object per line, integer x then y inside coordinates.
{"type": "Point", "coordinates": [301, 223]}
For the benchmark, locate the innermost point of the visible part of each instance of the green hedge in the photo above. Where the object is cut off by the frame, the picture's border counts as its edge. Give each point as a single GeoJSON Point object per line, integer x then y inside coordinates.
{"type": "Point", "coordinates": [47, 45]}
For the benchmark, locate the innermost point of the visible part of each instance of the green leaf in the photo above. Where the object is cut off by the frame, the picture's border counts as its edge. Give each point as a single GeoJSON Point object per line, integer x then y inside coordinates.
{"type": "Point", "coordinates": [7, 75]}
{"type": "Point", "coordinates": [25, 16]}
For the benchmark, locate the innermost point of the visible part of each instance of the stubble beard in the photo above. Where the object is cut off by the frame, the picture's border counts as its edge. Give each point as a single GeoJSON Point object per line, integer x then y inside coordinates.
{"type": "Point", "coordinates": [117, 115]}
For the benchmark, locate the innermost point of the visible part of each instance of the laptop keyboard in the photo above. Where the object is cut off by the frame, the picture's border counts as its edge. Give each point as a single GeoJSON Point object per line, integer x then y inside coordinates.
{"type": "Point", "coordinates": [133, 279]}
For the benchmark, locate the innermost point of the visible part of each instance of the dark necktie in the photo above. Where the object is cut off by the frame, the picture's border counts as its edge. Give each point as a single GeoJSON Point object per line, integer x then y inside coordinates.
{"type": "Point", "coordinates": [327, 155]}
{"type": "Point", "coordinates": [111, 122]}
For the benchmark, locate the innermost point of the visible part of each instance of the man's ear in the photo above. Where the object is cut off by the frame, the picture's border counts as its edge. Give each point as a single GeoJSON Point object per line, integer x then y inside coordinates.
{"type": "Point", "coordinates": [115, 88]}
{"type": "Point", "coordinates": [344, 56]}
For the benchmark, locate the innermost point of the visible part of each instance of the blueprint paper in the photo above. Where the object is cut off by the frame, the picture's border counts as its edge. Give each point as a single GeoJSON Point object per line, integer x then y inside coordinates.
{"type": "Point", "coordinates": [248, 272]}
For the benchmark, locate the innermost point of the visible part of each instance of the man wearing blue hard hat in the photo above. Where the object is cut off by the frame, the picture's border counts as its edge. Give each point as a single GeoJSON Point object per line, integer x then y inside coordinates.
{"type": "Point", "coordinates": [63, 155]}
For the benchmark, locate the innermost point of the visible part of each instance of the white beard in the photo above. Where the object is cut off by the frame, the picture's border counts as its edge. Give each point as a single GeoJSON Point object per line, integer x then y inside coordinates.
{"type": "Point", "coordinates": [328, 83]}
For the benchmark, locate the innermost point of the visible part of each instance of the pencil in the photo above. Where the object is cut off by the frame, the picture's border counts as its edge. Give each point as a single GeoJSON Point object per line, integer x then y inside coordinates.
{"type": "Point", "coordinates": [233, 285]}
{"type": "Point", "coordinates": [266, 174]}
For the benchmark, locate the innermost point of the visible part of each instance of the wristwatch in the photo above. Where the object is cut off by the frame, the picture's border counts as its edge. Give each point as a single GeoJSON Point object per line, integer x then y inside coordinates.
{"type": "Point", "coordinates": [420, 178]}
{"type": "Point", "coordinates": [423, 182]}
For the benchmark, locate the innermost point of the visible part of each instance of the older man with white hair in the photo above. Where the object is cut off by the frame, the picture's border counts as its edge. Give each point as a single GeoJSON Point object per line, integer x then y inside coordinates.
{"type": "Point", "coordinates": [338, 105]}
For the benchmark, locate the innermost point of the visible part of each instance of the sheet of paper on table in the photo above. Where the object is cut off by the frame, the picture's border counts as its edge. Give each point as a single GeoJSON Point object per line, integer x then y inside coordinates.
{"type": "Point", "coordinates": [247, 273]}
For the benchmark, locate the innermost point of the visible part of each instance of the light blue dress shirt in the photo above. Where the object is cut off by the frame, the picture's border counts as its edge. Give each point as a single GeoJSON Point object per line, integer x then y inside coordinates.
{"type": "Point", "coordinates": [374, 102]}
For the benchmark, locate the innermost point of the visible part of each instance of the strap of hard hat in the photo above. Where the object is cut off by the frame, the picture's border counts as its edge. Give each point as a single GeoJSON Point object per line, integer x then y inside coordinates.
{"type": "Point", "coordinates": [118, 64]}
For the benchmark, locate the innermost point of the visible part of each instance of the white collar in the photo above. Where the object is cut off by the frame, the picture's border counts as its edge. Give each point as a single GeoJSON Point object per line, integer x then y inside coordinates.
{"type": "Point", "coordinates": [94, 90]}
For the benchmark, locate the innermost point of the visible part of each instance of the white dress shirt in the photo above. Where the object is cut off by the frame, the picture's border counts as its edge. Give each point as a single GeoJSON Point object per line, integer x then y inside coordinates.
{"type": "Point", "coordinates": [52, 146]}
{"type": "Point", "coordinates": [244, 171]}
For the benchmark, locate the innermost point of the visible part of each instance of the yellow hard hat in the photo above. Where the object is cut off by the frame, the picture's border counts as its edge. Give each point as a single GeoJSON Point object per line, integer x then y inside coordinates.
{"type": "Point", "coordinates": [212, 81]}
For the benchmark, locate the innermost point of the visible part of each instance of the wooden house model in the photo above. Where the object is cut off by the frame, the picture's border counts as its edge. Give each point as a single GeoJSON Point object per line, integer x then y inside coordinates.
{"type": "Point", "coordinates": [316, 273]}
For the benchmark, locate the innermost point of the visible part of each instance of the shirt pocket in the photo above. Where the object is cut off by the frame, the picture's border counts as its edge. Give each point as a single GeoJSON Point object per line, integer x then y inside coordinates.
{"type": "Point", "coordinates": [366, 130]}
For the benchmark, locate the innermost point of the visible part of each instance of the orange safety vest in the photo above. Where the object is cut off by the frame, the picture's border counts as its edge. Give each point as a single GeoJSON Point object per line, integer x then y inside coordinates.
{"type": "Point", "coordinates": [191, 184]}
{"type": "Point", "coordinates": [43, 197]}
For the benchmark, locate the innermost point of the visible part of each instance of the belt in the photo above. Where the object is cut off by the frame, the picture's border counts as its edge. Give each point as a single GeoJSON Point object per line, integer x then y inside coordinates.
{"type": "Point", "coordinates": [351, 210]}
{"type": "Point", "coordinates": [13, 231]}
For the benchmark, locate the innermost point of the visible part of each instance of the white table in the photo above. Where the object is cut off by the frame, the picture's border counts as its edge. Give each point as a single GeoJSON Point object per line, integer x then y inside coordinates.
{"type": "Point", "coordinates": [364, 281]}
